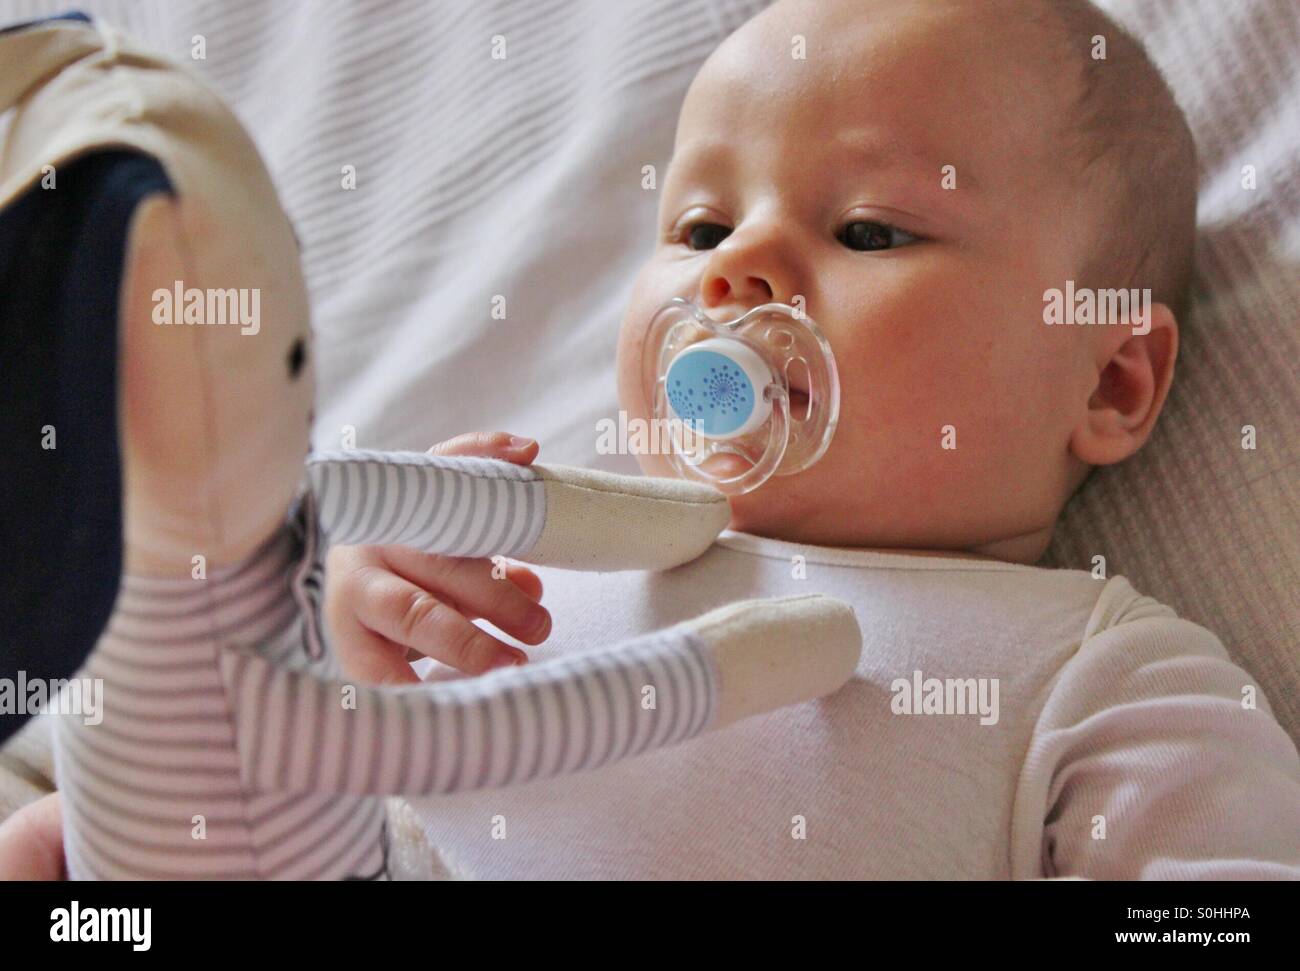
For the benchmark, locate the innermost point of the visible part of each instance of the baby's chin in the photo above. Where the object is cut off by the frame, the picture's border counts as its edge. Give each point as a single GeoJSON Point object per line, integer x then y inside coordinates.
{"type": "Point", "coordinates": [770, 510]}
{"type": "Point", "coordinates": [764, 512]}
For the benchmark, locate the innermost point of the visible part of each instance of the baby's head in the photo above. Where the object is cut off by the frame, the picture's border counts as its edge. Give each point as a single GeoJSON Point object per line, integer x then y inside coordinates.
{"type": "Point", "coordinates": [921, 177]}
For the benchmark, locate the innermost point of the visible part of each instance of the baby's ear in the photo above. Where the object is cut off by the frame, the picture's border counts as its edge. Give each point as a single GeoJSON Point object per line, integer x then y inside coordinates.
{"type": "Point", "coordinates": [1134, 365]}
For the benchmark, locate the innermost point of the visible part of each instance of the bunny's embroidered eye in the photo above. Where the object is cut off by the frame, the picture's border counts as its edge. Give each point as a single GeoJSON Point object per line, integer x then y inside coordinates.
{"type": "Point", "coordinates": [297, 357]}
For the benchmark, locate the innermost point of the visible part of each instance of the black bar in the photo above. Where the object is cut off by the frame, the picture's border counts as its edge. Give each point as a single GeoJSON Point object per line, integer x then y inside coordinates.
{"type": "Point", "coordinates": [661, 922]}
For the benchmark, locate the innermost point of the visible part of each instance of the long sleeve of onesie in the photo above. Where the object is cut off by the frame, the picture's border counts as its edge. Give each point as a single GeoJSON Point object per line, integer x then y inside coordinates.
{"type": "Point", "coordinates": [1155, 757]}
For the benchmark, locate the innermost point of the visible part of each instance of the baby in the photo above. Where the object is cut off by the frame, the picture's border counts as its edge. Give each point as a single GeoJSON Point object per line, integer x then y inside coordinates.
{"type": "Point", "coordinates": [919, 175]}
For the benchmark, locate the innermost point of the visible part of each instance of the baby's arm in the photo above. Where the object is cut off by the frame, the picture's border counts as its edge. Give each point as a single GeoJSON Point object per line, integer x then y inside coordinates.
{"type": "Point", "coordinates": [1148, 763]}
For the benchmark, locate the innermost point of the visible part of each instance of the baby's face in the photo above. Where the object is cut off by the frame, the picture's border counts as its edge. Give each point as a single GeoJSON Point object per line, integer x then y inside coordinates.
{"type": "Point", "coordinates": [824, 178]}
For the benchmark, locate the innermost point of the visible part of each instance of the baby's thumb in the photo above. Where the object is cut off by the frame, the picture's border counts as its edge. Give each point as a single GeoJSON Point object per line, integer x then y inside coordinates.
{"type": "Point", "coordinates": [489, 445]}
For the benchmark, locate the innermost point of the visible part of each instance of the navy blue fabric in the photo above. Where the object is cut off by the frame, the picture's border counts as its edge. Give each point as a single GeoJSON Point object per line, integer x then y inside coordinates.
{"type": "Point", "coordinates": [75, 15]}
{"type": "Point", "coordinates": [62, 255]}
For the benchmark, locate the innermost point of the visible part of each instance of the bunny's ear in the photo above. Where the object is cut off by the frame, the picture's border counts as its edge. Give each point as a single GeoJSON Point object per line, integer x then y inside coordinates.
{"type": "Point", "coordinates": [549, 515]}
{"type": "Point", "coordinates": [33, 51]}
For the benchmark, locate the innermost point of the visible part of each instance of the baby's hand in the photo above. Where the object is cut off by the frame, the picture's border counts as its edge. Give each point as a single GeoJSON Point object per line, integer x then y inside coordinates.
{"type": "Point", "coordinates": [31, 842]}
{"type": "Point", "coordinates": [389, 605]}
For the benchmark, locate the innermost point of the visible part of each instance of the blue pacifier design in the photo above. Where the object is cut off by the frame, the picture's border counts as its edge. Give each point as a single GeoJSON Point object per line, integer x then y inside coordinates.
{"type": "Point", "coordinates": [718, 394]}
{"type": "Point", "coordinates": [742, 400]}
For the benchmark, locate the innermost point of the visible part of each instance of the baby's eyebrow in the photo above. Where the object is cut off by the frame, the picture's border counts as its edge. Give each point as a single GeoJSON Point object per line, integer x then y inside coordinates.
{"type": "Point", "coordinates": [868, 149]}
{"type": "Point", "coordinates": [875, 149]}
{"type": "Point", "coordinates": [852, 156]}
{"type": "Point", "coordinates": [701, 156]}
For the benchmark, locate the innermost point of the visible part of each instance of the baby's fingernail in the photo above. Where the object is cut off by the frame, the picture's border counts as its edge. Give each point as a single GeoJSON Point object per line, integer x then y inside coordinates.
{"type": "Point", "coordinates": [509, 659]}
{"type": "Point", "coordinates": [521, 443]}
{"type": "Point", "coordinates": [542, 626]}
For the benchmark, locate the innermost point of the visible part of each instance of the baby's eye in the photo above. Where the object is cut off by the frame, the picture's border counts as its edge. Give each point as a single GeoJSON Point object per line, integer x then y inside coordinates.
{"type": "Point", "coordinates": [704, 236]}
{"type": "Point", "coordinates": [866, 236]}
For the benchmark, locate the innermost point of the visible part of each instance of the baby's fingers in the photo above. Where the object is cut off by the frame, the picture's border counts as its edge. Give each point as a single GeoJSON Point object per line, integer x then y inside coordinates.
{"type": "Point", "coordinates": [489, 445]}
{"type": "Point", "coordinates": [408, 616]}
{"type": "Point", "coordinates": [472, 587]}
{"type": "Point", "coordinates": [525, 579]}
{"type": "Point", "coordinates": [373, 659]}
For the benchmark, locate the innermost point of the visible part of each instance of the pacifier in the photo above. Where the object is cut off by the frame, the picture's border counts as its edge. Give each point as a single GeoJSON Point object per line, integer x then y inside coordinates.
{"type": "Point", "coordinates": [742, 400]}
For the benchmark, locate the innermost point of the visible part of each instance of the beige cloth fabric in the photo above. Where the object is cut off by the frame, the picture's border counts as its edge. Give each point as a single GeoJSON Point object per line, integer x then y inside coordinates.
{"type": "Point", "coordinates": [603, 521]}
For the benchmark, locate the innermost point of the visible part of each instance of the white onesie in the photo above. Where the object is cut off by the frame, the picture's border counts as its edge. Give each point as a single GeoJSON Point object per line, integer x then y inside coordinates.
{"type": "Point", "coordinates": [1086, 731]}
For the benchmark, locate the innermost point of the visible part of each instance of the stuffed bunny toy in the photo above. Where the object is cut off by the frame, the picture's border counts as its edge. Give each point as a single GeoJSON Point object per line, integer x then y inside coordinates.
{"type": "Point", "coordinates": [227, 745]}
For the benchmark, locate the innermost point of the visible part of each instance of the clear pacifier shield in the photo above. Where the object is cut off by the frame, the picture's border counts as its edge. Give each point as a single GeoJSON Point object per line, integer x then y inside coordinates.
{"type": "Point", "coordinates": [723, 390]}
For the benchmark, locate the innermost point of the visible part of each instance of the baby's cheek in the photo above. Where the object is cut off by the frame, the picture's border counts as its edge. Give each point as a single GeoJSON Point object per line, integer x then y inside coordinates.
{"type": "Point", "coordinates": [926, 421]}
{"type": "Point", "coordinates": [631, 337]}
{"type": "Point", "coordinates": [629, 366]}
{"type": "Point", "coordinates": [630, 396]}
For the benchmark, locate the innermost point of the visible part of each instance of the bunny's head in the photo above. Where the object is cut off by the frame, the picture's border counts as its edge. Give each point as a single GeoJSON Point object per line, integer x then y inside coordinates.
{"type": "Point", "coordinates": [215, 383]}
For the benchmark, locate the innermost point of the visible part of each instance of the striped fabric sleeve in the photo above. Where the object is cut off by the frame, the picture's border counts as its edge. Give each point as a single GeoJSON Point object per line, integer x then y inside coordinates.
{"type": "Point", "coordinates": [299, 733]}
{"type": "Point", "coordinates": [453, 506]}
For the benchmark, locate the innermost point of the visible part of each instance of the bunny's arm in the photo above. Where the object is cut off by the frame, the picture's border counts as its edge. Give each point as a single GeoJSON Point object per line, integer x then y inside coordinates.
{"type": "Point", "coordinates": [549, 515]}
{"type": "Point", "coordinates": [296, 732]}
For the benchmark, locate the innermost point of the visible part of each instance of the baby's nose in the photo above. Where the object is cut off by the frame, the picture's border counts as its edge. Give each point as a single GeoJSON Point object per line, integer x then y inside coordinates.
{"type": "Point", "coordinates": [750, 267]}
{"type": "Point", "coordinates": [721, 289]}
